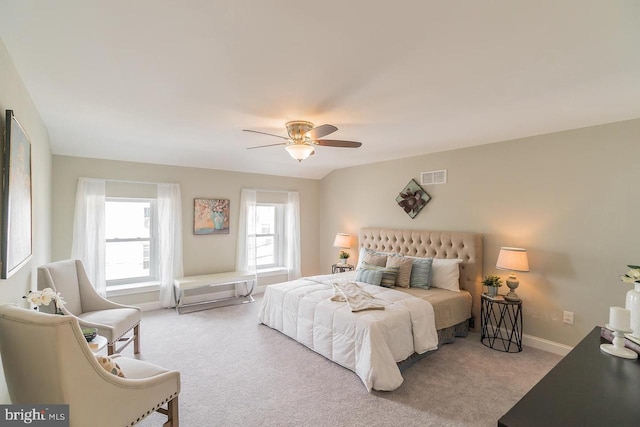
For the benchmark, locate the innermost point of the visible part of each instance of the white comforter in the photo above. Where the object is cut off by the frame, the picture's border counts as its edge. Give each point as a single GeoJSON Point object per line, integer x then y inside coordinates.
{"type": "Point", "coordinates": [368, 342]}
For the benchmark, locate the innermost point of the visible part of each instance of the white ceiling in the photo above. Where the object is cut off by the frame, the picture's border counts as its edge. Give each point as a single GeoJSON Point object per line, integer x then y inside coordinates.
{"type": "Point", "coordinates": [175, 82]}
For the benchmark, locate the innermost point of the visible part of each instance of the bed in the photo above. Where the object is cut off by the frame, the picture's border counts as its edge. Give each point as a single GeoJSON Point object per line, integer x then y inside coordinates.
{"type": "Point", "coordinates": [378, 345]}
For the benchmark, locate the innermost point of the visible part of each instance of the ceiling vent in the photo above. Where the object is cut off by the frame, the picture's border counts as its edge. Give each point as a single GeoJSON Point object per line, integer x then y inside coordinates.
{"type": "Point", "coordinates": [433, 177]}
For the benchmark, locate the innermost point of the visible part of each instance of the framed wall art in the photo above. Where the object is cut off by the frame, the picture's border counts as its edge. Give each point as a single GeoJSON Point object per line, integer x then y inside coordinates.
{"type": "Point", "coordinates": [16, 243]}
{"type": "Point", "coordinates": [210, 216]}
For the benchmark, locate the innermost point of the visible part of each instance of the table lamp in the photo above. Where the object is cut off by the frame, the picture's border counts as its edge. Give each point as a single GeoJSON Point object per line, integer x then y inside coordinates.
{"type": "Point", "coordinates": [512, 259]}
{"type": "Point", "coordinates": [342, 241]}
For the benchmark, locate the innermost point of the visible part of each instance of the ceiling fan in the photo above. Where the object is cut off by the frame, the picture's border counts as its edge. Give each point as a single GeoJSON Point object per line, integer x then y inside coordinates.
{"type": "Point", "coordinates": [303, 138]}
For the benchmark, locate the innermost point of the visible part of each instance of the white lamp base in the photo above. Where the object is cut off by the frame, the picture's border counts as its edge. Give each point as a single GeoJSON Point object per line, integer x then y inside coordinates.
{"type": "Point", "coordinates": [617, 348]}
{"type": "Point", "coordinates": [512, 283]}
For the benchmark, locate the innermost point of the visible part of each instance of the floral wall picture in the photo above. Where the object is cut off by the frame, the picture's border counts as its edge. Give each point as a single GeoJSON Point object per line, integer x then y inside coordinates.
{"type": "Point", "coordinates": [412, 198]}
{"type": "Point", "coordinates": [210, 216]}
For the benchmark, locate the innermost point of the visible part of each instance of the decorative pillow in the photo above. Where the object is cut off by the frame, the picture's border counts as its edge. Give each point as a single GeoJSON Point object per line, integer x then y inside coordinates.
{"type": "Point", "coordinates": [404, 269]}
{"type": "Point", "coordinates": [389, 274]}
{"type": "Point", "coordinates": [109, 365]}
{"type": "Point", "coordinates": [421, 272]}
{"type": "Point", "coordinates": [372, 276]}
{"type": "Point", "coordinates": [446, 274]}
{"type": "Point", "coordinates": [363, 253]}
{"type": "Point", "coordinates": [375, 259]}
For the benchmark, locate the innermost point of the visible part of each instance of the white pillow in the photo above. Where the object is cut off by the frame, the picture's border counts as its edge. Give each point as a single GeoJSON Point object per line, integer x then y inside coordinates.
{"type": "Point", "coordinates": [445, 274]}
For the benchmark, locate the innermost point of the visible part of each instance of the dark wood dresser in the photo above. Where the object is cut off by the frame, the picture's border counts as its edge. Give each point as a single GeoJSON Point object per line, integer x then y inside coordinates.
{"type": "Point", "coordinates": [586, 388]}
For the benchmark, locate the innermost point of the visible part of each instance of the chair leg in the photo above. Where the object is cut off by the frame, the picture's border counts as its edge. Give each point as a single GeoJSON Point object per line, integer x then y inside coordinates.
{"type": "Point", "coordinates": [172, 414]}
{"type": "Point", "coordinates": [136, 341]}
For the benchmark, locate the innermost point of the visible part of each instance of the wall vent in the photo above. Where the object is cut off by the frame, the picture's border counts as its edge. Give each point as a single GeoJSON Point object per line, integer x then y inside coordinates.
{"type": "Point", "coordinates": [433, 177]}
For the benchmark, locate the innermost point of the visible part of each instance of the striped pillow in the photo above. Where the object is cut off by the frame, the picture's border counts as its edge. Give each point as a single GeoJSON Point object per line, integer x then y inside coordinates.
{"type": "Point", "coordinates": [421, 273]}
{"type": "Point", "coordinates": [404, 269]}
{"type": "Point", "coordinates": [389, 274]}
{"type": "Point", "coordinates": [371, 276]}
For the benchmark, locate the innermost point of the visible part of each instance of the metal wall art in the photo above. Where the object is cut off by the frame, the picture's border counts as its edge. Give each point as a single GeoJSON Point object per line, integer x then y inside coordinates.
{"type": "Point", "coordinates": [412, 198]}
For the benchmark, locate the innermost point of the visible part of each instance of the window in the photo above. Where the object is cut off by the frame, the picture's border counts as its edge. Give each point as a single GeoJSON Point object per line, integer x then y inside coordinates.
{"type": "Point", "coordinates": [269, 232]}
{"type": "Point", "coordinates": [129, 252]}
{"type": "Point", "coordinates": [269, 235]}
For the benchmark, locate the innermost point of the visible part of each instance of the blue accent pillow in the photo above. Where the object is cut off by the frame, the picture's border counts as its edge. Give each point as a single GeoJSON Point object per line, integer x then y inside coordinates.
{"type": "Point", "coordinates": [389, 274]}
{"type": "Point", "coordinates": [421, 273]}
{"type": "Point", "coordinates": [372, 276]}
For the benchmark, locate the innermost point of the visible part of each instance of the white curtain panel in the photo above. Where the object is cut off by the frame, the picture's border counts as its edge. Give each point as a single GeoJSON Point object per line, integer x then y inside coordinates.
{"type": "Point", "coordinates": [169, 240]}
{"type": "Point", "coordinates": [88, 230]}
{"type": "Point", "coordinates": [246, 248]}
{"type": "Point", "coordinates": [292, 235]}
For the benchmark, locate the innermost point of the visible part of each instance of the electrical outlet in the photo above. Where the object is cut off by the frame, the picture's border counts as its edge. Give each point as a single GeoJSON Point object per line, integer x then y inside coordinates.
{"type": "Point", "coordinates": [567, 317]}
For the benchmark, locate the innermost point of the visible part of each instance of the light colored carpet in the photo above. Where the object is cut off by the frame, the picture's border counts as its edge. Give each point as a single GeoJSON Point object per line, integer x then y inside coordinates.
{"type": "Point", "coordinates": [237, 372]}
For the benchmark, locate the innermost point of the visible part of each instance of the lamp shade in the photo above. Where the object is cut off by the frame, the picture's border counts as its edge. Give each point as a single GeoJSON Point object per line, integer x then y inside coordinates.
{"type": "Point", "coordinates": [299, 151]}
{"type": "Point", "coordinates": [342, 241]}
{"type": "Point", "coordinates": [513, 259]}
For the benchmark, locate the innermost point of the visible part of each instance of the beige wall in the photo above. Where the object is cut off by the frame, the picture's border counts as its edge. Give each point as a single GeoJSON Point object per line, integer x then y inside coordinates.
{"type": "Point", "coordinates": [566, 197]}
{"type": "Point", "coordinates": [202, 254]}
{"type": "Point", "coordinates": [14, 96]}
{"type": "Point", "coordinates": [570, 198]}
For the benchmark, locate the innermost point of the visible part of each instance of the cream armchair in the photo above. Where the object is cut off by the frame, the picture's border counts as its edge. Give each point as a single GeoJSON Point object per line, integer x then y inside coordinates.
{"type": "Point", "coordinates": [82, 301]}
{"type": "Point", "coordinates": [46, 360]}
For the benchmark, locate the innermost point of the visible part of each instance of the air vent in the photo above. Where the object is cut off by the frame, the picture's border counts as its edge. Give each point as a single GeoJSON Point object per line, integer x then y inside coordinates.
{"type": "Point", "coordinates": [433, 177]}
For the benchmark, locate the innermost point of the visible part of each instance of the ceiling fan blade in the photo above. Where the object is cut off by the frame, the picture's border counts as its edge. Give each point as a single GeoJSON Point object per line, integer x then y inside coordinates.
{"type": "Point", "coordinates": [337, 143]}
{"type": "Point", "coordinates": [320, 131]}
{"type": "Point", "coordinates": [264, 133]}
{"type": "Point", "coordinates": [270, 145]}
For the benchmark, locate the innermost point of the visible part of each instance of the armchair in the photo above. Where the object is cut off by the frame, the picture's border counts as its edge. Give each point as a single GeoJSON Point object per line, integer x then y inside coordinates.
{"type": "Point", "coordinates": [46, 360]}
{"type": "Point", "coordinates": [93, 311]}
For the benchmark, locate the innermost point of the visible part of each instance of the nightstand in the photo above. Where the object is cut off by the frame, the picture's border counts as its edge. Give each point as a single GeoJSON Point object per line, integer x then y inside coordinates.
{"type": "Point", "coordinates": [501, 324]}
{"type": "Point", "coordinates": [341, 268]}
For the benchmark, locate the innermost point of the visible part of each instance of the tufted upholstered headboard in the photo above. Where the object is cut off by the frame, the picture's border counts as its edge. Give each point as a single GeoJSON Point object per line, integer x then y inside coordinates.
{"type": "Point", "coordinates": [435, 244]}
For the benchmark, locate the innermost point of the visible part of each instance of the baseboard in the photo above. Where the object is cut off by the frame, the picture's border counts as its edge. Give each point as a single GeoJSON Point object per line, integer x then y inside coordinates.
{"type": "Point", "coordinates": [542, 344]}
{"type": "Point", "coordinates": [546, 345]}
{"type": "Point", "coordinates": [149, 306]}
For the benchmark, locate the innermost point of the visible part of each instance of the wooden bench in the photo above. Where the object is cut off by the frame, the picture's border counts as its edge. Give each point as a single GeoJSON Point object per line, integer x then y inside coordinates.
{"type": "Point", "coordinates": [210, 280]}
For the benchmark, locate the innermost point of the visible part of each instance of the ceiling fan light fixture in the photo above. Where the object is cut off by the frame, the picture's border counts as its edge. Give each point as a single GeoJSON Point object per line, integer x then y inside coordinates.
{"type": "Point", "coordinates": [299, 152]}
{"type": "Point", "coordinates": [304, 137]}
{"type": "Point", "coordinates": [298, 129]}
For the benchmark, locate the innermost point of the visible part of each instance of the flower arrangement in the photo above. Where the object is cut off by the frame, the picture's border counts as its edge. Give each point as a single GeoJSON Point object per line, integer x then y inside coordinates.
{"type": "Point", "coordinates": [633, 275]}
{"type": "Point", "coordinates": [220, 205]}
{"type": "Point", "coordinates": [343, 255]}
{"type": "Point", "coordinates": [492, 280]}
{"type": "Point", "coordinates": [46, 297]}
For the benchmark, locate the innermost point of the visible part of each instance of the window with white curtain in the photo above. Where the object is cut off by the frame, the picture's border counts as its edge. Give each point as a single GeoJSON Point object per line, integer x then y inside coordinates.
{"type": "Point", "coordinates": [269, 231]}
{"type": "Point", "coordinates": [135, 240]}
{"type": "Point", "coordinates": [130, 249]}
{"type": "Point", "coordinates": [269, 237]}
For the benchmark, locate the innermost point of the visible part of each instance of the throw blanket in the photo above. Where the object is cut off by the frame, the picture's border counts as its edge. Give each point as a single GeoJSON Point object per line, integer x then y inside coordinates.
{"type": "Point", "coordinates": [368, 342]}
{"type": "Point", "coordinates": [357, 298]}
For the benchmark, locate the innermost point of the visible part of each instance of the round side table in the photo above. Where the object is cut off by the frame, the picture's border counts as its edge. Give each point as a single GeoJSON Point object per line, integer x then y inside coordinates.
{"type": "Point", "coordinates": [98, 343]}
